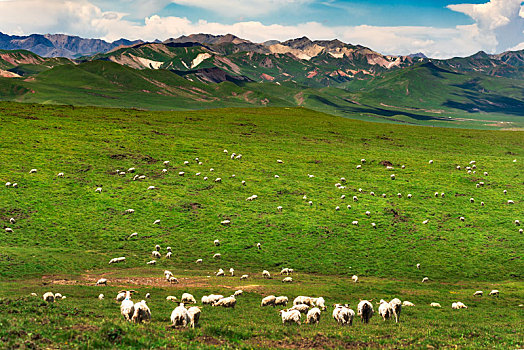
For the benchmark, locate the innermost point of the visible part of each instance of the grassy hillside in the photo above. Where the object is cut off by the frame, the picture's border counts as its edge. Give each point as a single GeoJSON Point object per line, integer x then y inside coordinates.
{"type": "Point", "coordinates": [65, 233]}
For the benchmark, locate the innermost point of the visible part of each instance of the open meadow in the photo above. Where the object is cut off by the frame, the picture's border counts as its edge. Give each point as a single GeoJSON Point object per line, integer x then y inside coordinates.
{"type": "Point", "coordinates": [348, 198]}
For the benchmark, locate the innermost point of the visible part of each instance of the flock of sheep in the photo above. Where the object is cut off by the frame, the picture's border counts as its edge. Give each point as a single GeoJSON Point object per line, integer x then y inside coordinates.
{"type": "Point", "coordinates": [184, 316]}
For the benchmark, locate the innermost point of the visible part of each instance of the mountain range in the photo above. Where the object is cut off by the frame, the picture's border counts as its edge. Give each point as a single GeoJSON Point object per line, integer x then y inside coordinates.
{"type": "Point", "coordinates": [205, 71]}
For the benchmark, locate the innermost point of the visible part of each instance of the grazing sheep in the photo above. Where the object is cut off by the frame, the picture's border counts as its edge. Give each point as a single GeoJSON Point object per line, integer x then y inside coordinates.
{"type": "Point", "coordinates": [431, 161]}
{"type": "Point", "coordinates": [384, 310]}
{"type": "Point", "coordinates": [217, 256]}
{"type": "Point", "coordinates": [436, 194]}
{"type": "Point", "coordinates": [225, 222]}
{"type": "Point", "coordinates": [194, 315]}
{"type": "Point", "coordinates": [244, 277]}
{"type": "Point", "coordinates": [372, 193]}
{"type": "Point", "coordinates": [129, 211]}
{"type": "Point", "coordinates": [425, 221]}
{"type": "Point", "coordinates": [199, 261]}
{"type": "Point", "coordinates": [320, 303]}
{"type": "Point", "coordinates": [151, 187]}
{"type": "Point", "coordinates": [478, 293]}
{"type": "Point", "coordinates": [313, 316]}
{"type": "Point", "coordinates": [117, 260]}
{"type": "Point", "coordinates": [180, 316]}
{"type": "Point", "coordinates": [410, 195]}
{"type": "Point", "coordinates": [232, 271]}
{"type": "Point", "coordinates": [462, 218]}
{"type": "Point", "coordinates": [218, 179]}
{"type": "Point", "coordinates": [9, 229]}
{"type": "Point", "coordinates": [310, 176]}
{"type": "Point", "coordinates": [156, 254]}
{"type": "Point", "coordinates": [167, 274]}
{"type": "Point", "coordinates": [225, 151]}
{"type": "Point", "coordinates": [49, 297]}
{"type": "Point", "coordinates": [286, 271]}
{"type": "Point", "coordinates": [384, 195]}
{"type": "Point", "coordinates": [458, 305]}
{"type": "Point", "coordinates": [396, 306]}
{"type": "Point", "coordinates": [407, 303]}
{"type": "Point", "coordinates": [482, 204]}
{"type": "Point", "coordinates": [373, 225]}
{"type": "Point", "coordinates": [127, 307]}
{"type": "Point", "coordinates": [354, 278]}
{"type": "Point", "coordinates": [354, 223]}
{"type": "Point", "coordinates": [210, 299]}
{"type": "Point", "coordinates": [168, 255]}
{"type": "Point", "coordinates": [173, 280]}
{"type": "Point", "coordinates": [399, 195]}
{"type": "Point", "coordinates": [181, 173]}
{"type": "Point", "coordinates": [98, 190]}
{"type": "Point", "coordinates": [216, 242]}
{"type": "Point", "coordinates": [425, 279]}
{"type": "Point", "coordinates": [343, 314]}
{"type": "Point", "coordinates": [511, 202]}
{"type": "Point", "coordinates": [266, 274]}
{"type": "Point", "coordinates": [337, 208]}
{"type": "Point", "coordinates": [171, 298]}
{"type": "Point", "coordinates": [243, 182]}
{"type": "Point", "coordinates": [238, 293]}
{"type": "Point", "coordinates": [100, 296]}
{"type": "Point", "coordinates": [279, 161]}
{"type": "Point", "coordinates": [355, 199]}
{"type": "Point", "coordinates": [141, 313]}
{"type": "Point", "coordinates": [279, 208]}
{"type": "Point", "coordinates": [157, 247]}
{"type": "Point", "coordinates": [435, 305]}
{"type": "Point", "coordinates": [505, 191]}
{"type": "Point", "coordinates": [494, 292]}
{"type": "Point", "coordinates": [7, 184]}
{"type": "Point", "coordinates": [304, 300]}
{"type": "Point", "coordinates": [134, 234]}
{"type": "Point", "coordinates": [32, 171]}
{"type": "Point", "coordinates": [392, 176]}
{"type": "Point", "coordinates": [281, 301]}
{"type": "Point", "coordinates": [102, 281]}
{"type": "Point", "coordinates": [151, 262]}
{"type": "Point", "coordinates": [302, 308]}
{"type": "Point", "coordinates": [270, 300]}
{"type": "Point", "coordinates": [472, 200]}
{"type": "Point", "coordinates": [290, 316]}
{"type": "Point", "coordinates": [359, 166]}
{"type": "Point", "coordinates": [148, 296]}
{"type": "Point", "coordinates": [418, 266]}
{"type": "Point", "coordinates": [226, 302]}
{"type": "Point", "coordinates": [251, 198]}
{"type": "Point", "coordinates": [517, 222]}
{"type": "Point", "coordinates": [188, 298]}
{"type": "Point", "coordinates": [164, 170]}
{"type": "Point", "coordinates": [12, 220]}
{"type": "Point", "coordinates": [368, 213]}
{"type": "Point", "coordinates": [259, 246]}
{"type": "Point", "coordinates": [166, 162]}
{"type": "Point", "coordinates": [287, 280]}
{"type": "Point", "coordinates": [310, 203]}
{"type": "Point", "coordinates": [365, 310]}
{"type": "Point", "coordinates": [220, 272]}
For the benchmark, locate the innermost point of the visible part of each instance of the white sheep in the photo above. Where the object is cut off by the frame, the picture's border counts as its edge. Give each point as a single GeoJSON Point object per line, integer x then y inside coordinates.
{"type": "Point", "coordinates": [287, 280]}
{"type": "Point", "coordinates": [425, 221]}
{"type": "Point", "coordinates": [151, 262]}
{"type": "Point", "coordinates": [425, 279]}
{"type": "Point", "coordinates": [431, 161]}
{"type": "Point", "coordinates": [164, 170]}
{"type": "Point", "coordinates": [270, 300]}
{"type": "Point", "coordinates": [290, 316]}
{"type": "Point", "coordinates": [117, 260]}
{"type": "Point", "coordinates": [303, 300]}
{"type": "Point", "coordinates": [354, 278]}
{"type": "Point", "coordinates": [244, 277]}
{"type": "Point", "coordinates": [218, 179]}
{"type": "Point", "coordinates": [168, 255]}
{"type": "Point", "coordinates": [279, 161]}
{"type": "Point", "coordinates": [407, 303]}
{"type": "Point", "coordinates": [418, 266]}
{"type": "Point", "coordinates": [384, 310]}
{"type": "Point", "coordinates": [49, 297]}
{"type": "Point", "coordinates": [120, 296]}
{"type": "Point", "coordinates": [313, 316]}
{"type": "Point", "coordinates": [32, 171]}
{"type": "Point", "coordinates": [302, 308]}
{"type": "Point", "coordinates": [396, 307]}
{"type": "Point", "coordinates": [171, 298]}
{"type": "Point", "coordinates": [156, 254]}
{"type": "Point", "coordinates": [217, 256]}
{"type": "Point", "coordinates": [226, 302]}
{"type": "Point", "coordinates": [102, 281]}
{"type": "Point", "coordinates": [392, 176]}
{"type": "Point", "coordinates": [127, 307]}
{"type": "Point", "coordinates": [194, 315]}
{"type": "Point", "coordinates": [435, 305]}
{"type": "Point", "coordinates": [173, 280]}
{"type": "Point", "coordinates": [281, 301]}
{"type": "Point", "coordinates": [238, 293]}
{"type": "Point", "coordinates": [365, 310]}
{"type": "Point", "coordinates": [320, 303]}
{"type": "Point", "coordinates": [130, 211]}
{"type": "Point", "coordinates": [100, 296]}
{"type": "Point", "coordinates": [337, 208]}
{"type": "Point", "coordinates": [188, 298]}
{"type": "Point", "coordinates": [279, 208]}
{"type": "Point", "coordinates": [232, 271]}
{"type": "Point", "coordinates": [166, 162]}
{"type": "Point", "coordinates": [219, 273]}
{"type": "Point", "coordinates": [134, 234]}
{"type": "Point", "coordinates": [141, 313]}
{"type": "Point", "coordinates": [167, 274]}
{"type": "Point", "coordinates": [98, 190]}
{"type": "Point", "coordinates": [148, 296]}
{"type": "Point", "coordinates": [151, 187]}
{"type": "Point", "coordinates": [410, 195]}
{"type": "Point", "coordinates": [199, 261]}
{"type": "Point", "coordinates": [355, 199]}
{"type": "Point", "coordinates": [472, 200]}
{"type": "Point", "coordinates": [225, 222]}
{"type": "Point", "coordinates": [355, 222]}
{"type": "Point", "coordinates": [216, 242]}
{"type": "Point", "coordinates": [343, 314]}
{"type": "Point", "coordinates": [494, 292]}
{"type": "Point", "coordinates": [180, 316]}
{"type": "Point", "coordinates": [517, 222]}
{"type": "Point", "coordinates": [266, 274]}
{"type": "Point", "coordinates": [478, 293]}
{"type": "Point", "coordinates": [368, 213]}
{"type": "Point", "coordinates": [9, 229]}
{"type": "Point", "coordinates": [510, 201]}
{"type": "Point", "coordinates": [259, 246]}
{"type": "Point", "coordinates": [359, 166]}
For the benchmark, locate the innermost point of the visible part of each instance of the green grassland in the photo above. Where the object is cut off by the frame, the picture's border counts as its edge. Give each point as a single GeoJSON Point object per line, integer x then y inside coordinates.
{"type": "Point", "coordinates": [65, 233]}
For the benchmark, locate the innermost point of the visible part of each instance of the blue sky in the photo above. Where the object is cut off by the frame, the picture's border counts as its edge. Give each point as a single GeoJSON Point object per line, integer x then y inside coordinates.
{"type": "Point", "coordinates": [438, 28]}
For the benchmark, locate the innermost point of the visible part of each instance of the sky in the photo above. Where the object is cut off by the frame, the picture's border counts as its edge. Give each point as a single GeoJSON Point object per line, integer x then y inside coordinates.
{"type": "Point", "coordinates": [437, 28]}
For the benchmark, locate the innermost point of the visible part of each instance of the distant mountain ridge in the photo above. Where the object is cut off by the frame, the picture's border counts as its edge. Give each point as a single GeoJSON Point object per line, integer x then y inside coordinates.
{"type": "Point", "coordinates": [60, 45]}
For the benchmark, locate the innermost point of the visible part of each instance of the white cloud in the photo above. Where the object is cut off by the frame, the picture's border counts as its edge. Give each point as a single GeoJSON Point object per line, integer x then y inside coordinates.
{"type": "Point", "coordinates": [500, 22]}
{"type": "Point", "coordinates": [490, 32]}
